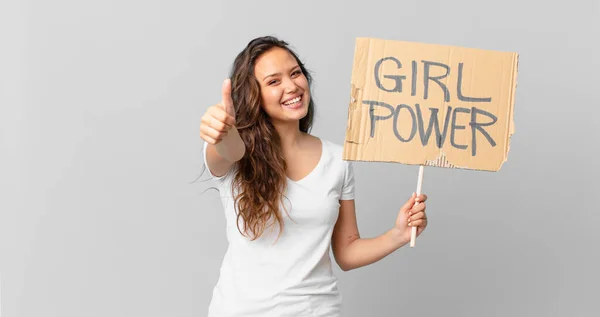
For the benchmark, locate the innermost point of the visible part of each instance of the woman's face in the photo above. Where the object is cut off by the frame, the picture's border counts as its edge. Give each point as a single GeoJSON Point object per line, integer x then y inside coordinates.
{"type": "Point", "coordinates": [284, 88]}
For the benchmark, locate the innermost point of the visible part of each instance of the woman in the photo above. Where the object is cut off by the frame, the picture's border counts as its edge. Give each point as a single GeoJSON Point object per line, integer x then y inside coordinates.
{"type": "Point", "coordinates": [288, 195]}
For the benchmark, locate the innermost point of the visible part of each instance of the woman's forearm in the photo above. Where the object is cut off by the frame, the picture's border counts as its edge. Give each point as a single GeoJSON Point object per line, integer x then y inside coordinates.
{"type": "Point", "coordinates": [365, 251]}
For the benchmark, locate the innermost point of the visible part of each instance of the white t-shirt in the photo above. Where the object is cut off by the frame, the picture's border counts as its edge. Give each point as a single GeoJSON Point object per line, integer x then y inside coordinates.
{"type": "Point", "coordinates": [291, 276]}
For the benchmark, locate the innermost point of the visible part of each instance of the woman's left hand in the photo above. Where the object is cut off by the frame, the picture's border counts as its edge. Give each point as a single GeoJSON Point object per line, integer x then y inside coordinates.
{"type": "Point", "coordinates": [411, 215]}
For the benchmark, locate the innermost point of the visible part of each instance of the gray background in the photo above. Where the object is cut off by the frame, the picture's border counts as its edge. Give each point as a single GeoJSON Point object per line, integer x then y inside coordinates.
{"type": "Point", "coordinates": [99, 129]}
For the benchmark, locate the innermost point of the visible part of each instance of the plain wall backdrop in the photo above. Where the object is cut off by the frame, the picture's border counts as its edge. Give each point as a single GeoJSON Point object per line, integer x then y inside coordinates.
{"type": "Point", "coordinates": [99, 137]}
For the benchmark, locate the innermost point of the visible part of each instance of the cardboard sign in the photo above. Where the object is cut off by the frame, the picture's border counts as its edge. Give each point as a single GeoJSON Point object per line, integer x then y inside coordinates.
{"type": "Point", "coordinates": [431, 105]}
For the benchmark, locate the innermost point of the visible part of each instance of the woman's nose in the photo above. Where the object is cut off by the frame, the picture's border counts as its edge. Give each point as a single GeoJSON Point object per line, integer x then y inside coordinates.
{"type": "Point", "coordinates": [290, 86]}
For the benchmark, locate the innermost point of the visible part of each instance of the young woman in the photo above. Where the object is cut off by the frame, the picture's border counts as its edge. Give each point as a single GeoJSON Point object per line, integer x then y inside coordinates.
{"type": "Point", "coordinates": [288, 196]}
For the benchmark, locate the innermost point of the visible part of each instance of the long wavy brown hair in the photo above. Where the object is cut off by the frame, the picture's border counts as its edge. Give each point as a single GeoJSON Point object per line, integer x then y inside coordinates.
{"type": "Point", "coordinates": [260, 179]}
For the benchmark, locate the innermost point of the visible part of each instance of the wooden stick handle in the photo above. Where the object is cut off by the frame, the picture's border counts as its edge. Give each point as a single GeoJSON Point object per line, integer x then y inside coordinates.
{"type": "Point", "coordinates": [413, 234]}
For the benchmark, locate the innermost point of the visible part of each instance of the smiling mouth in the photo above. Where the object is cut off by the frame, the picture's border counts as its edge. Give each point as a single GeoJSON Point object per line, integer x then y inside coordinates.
{"type": "Point", "coordinates": [294, 102]}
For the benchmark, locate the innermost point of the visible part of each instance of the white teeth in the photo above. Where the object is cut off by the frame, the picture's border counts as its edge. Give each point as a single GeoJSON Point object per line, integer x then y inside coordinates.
{"type": "Point", "coordinates": [292, 101]}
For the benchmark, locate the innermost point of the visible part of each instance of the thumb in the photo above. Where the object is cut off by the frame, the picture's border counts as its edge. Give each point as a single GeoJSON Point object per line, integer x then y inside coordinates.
{"type": "Point", "coordinates": [409, 203]}
{"type": "Point", "coordinates": [226, 100]}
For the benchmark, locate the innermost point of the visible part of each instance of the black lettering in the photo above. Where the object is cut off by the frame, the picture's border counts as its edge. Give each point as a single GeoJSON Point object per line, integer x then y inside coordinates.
{"type": "Point", "coordinates": [413, 129]}
{"type": "Point", "coordinates": [479, 126]}
{"type": "Point", "coordinates": [459, 89]}
{"type": "Point", "coordinates": [433, 122]}
{"type": "Point", "coordinates": [427, 78]}
{"type": "Point", "coordinates": [397, 78]}
{"type": "Point", "coordinates": [375, 118]}
{"type": "Point", "coordinates": [457, 127]}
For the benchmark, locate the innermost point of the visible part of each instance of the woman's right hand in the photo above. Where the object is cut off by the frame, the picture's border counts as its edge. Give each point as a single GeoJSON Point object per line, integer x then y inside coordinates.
{"type": "Point", "coordinates": [218, 119]}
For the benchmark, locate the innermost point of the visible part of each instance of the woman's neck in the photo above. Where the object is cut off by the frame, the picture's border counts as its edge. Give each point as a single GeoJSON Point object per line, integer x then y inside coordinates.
{"type": "Point", "coordinates": [290, 135]}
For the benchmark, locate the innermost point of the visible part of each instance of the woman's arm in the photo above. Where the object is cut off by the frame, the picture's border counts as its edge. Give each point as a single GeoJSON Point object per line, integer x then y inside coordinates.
{"type": "Point", "coordinates": [217, 128]}
{"type": "Point", "coordinates": [351, 251]}
{"type": "Point", "coordinates": [220, 157]}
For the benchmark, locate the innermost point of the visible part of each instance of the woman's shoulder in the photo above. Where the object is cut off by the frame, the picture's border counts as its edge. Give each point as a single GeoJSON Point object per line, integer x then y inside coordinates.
{"type": "Point", "coordinates": [334, 149]}
{"type": "Point", "coordinates": [337, 167]}
{"type": "Point", "coordinates": [332, 145]}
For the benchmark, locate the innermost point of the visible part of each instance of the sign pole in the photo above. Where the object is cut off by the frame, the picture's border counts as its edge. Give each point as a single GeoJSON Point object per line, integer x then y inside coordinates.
{"type": "Point", "coordinates": [413, 235]}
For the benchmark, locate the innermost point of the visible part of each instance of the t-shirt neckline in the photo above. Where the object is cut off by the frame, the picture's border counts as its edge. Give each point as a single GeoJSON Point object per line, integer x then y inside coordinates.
{"type": "Point", "coordinates": [314, 170]}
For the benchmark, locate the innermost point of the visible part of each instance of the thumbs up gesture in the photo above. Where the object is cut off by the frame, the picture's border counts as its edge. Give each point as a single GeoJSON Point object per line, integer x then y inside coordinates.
{"type": "Point", "coordinates": [218, 119]}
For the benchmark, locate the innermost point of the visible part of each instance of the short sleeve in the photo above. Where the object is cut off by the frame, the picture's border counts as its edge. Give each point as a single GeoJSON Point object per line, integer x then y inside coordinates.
{"type": "Point", "coordinates": [348, 186]}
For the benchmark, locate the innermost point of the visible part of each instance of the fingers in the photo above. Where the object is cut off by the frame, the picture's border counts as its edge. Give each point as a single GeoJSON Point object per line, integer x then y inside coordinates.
{"type": "Point", "coordinates": [211, 133]}
{"type": "Point", "coordinates": [221, 118]}
{"type": "Point", "coordinates": [416, 214]}
{"type": "Point", "coordinates": [416, 218]}
{"type": "Point", "coordinates": [414, 201]}
{"type": "Point", "coordinates": [210, 140]}
{"type": "Point", "coordinates": [226, 100]}
{"type": "Point", "coordinates": [418, 207]}
{"type": "Point", "coordinates": [409, 203]}
{"type": "Point", "coordinates": [215, 124]}
{"type": "Point", "coordinates": [418, 223]}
